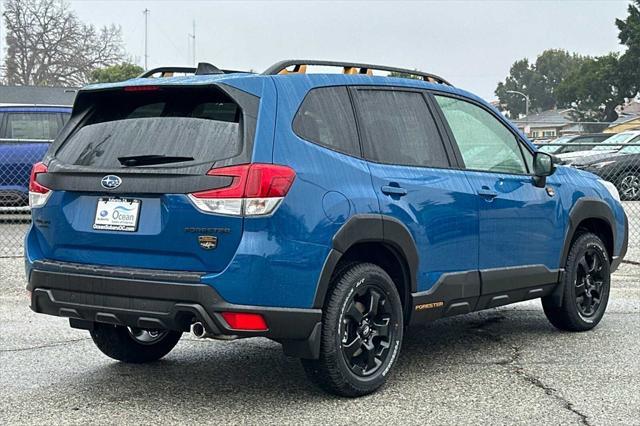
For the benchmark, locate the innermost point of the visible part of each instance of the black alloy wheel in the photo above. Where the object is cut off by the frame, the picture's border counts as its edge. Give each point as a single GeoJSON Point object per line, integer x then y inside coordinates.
{"type": "Point", "coordinates": [589, 282]}
{"type": "Point", "coordinates": [365, 330]}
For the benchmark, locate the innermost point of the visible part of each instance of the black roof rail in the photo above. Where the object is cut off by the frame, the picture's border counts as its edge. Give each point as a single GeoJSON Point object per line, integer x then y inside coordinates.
{"type": "Point", "coordinates": [349, 68]}
{"type": "Point", "coordinates": [203, 68]}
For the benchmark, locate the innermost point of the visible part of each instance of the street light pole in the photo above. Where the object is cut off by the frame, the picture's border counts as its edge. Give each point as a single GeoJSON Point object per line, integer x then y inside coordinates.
{"type": "Point", "coordinates": [146, 38]}
{"type": "Point", "coordinates": [526, 100]}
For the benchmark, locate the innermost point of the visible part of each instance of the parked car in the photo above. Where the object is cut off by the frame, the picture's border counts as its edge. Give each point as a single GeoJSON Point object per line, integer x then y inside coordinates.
{"type": "Point", "coordinates": [325, 212]}
{"type": "Point", "coordinates": [622, 168]}
{"type": "Point", "coordinates": [608, 146]}
{"type": "Point", "coordinates": [560, 145]}
{"type": "Point", "coordinates": [25, 135]}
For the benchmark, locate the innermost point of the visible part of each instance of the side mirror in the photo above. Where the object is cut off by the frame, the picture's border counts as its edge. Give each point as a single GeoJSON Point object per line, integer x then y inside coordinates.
{"type": "Point", "coordinates": [543, 166]}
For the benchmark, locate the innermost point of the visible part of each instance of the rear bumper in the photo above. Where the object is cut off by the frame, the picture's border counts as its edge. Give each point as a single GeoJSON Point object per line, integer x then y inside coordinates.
{"type": "Point", "coordinates": [159, 300]}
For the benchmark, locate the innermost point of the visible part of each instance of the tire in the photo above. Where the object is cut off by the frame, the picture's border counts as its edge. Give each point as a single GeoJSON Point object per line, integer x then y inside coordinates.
{"type": "Point", "coordinates": [629, 186]}
{"type": "Point", "coordinates": [586, 285]}
{"type": "Point", "coordinates": [134, 346]}
{"type": "Point", "coordinates": [359, 344]}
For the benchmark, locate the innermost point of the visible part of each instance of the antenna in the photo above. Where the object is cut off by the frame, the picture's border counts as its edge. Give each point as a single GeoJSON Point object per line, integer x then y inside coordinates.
{"type": "Point", "coordinates": [146, 38]}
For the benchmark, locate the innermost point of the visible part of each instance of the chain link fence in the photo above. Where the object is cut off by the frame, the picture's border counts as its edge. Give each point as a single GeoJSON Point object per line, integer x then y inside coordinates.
{"type": "Point", "coordinates": [16, 160]}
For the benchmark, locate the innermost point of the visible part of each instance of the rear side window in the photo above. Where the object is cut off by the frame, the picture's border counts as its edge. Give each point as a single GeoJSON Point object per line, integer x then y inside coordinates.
{"type": "Point", "coordinates": [189, 126]}
{"type": "Point", "coordinates": [484, 142]}
{"type": "Point", "coordinates": [398, 128]}
{"type": "Point", "coordinates": [32, 126]}
{"type": "Point", "coordinates": [326, 118]}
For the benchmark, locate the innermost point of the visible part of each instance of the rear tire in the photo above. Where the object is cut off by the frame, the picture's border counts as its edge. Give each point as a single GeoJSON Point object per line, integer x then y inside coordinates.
{"type": "Point", "coordinates": [586, 285]}
{"type": "Point", "coordinates": [362, 330]}
{"type": "Point", "coordinates": [132, 345]}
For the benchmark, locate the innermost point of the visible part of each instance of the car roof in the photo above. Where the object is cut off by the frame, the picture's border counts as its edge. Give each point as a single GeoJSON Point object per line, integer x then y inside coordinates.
{"type": "Point", "coordinates": [34, 108]}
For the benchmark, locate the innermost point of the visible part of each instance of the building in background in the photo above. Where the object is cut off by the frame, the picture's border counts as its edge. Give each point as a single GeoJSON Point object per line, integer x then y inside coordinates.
{"type": "Point", "coordinates": [31, 95]}
{"type": "Point", "coordinates": [628, 119]}
{"type": "Point", "coordinates": [554, 123]}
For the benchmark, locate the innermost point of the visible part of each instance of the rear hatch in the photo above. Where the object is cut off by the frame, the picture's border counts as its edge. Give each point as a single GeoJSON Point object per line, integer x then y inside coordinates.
{"type": "Point", "coordinates": [121, 173]}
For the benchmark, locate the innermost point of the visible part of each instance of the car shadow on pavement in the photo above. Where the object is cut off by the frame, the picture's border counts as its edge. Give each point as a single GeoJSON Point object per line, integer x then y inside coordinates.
{"type": "Point", "coordinates": [205, 372]}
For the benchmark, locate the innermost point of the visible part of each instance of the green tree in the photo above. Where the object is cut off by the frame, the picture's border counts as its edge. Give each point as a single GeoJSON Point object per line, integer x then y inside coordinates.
{"type": "Point", "coordinates": [629, 36]}
{"type": "Point", "coordinates": [404, 75]}
{"type": "Point", "coordinates": [539, 81]}
{"type": "Point", "coordinates": [120, 72]}
{"type": "Point", "coordinates": [601, 84]}
{"type": "Point", "coordinates": [593, 89]}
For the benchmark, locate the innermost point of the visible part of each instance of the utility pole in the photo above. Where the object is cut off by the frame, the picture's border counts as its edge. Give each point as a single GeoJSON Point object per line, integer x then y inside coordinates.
{"type": "Point", "coordinates": [192, 37]}
{"type": "Point", "coordinates": [146, 38]}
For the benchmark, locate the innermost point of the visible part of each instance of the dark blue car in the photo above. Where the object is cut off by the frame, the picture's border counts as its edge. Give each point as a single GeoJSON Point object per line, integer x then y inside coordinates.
{"type": "Point", "coordinates": [326, 212]}
{"type": "Point", "coordinates": [25, 135]}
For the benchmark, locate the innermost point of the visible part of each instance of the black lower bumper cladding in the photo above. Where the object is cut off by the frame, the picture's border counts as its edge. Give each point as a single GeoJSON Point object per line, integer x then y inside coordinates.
{"type": "Point", "coordinates": [132, 298]}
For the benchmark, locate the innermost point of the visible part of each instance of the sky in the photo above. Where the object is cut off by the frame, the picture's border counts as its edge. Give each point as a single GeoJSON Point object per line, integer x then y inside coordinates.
{"type": "Point", "coordinates": [470, 43]}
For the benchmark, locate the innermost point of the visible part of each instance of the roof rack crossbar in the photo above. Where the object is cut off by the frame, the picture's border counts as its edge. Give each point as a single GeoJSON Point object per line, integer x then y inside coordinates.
{"type": "Point", "coordinates": [278, 67]}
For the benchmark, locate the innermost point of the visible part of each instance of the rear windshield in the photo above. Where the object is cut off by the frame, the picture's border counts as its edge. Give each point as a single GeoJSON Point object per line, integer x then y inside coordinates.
{"type": "Point", "coordinates": [181, 126]}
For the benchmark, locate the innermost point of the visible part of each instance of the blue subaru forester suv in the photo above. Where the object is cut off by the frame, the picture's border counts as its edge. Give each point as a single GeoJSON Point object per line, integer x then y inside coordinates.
{"type": "Point", "coordinates": [326, 212]}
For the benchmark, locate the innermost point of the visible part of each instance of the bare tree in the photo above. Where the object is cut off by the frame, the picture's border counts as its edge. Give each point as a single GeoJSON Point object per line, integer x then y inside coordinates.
{"type": "Point", "coordinates": [47, 45]}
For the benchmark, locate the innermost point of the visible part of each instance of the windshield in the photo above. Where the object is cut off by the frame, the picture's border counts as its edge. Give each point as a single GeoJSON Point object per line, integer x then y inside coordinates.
{"type": "Point", "coordinates": [635, 149]}
{"type": "Point", "coordinates": [193, 126]}
{"type": "Point", "coordinates": [552, 148]}
{"type": "Point", "coordinates": [619, 138]}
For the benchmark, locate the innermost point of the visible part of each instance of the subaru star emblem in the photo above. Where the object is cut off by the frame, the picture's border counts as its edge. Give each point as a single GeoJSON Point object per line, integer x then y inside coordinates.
{"type": "Point", "coordinates": [111, 182]}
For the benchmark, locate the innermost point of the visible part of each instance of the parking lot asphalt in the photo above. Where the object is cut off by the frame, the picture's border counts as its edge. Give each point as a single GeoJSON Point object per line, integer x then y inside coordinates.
{"type": "Point", "coordinates": [502, 366]}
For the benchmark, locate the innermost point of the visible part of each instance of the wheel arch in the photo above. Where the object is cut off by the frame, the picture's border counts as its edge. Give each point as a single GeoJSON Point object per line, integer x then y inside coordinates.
{"type": "Point", "coordinates": [379, 239]}
{"type": "Point", "coordinates": [595, 216]}
{"type": "Point", "coordinates": [591, 215]}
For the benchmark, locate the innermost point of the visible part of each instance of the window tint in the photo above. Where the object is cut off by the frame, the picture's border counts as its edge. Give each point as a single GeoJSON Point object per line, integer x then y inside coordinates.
{"type": "Point", "coordinates": [326, 118]}
{"type": "Point", "coordinates": [32, 126]}
{"type": "Point", "coordinates": [201, 124]}
{"type": "Point", "coordinates": [484, 142]}
{"type": "Point", "coordinates": [398, 128]}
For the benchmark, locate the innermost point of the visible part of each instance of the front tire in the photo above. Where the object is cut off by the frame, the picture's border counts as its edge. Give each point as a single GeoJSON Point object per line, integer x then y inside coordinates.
{"type": "Point", "coordinates": [133, 345]}
{"type": "Point", "coordinates": [629, 186]}
{"type": "Point", "coordinates": [586, 285]}
{"type": "Point", "coordinates": [362, 330]}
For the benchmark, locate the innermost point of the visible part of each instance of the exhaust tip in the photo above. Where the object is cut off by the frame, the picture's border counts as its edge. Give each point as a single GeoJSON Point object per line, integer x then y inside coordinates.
{"type": "Point", "coordinates": [198, 330]}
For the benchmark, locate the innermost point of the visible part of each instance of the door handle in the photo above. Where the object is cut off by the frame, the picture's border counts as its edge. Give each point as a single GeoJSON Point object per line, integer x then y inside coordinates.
{"type": "Point", "coordinates": [485, 192]}
{"type": "Point", "coordinates": [393, 190]}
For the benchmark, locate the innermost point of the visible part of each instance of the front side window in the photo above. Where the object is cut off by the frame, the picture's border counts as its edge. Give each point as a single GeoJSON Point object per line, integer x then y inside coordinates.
{"type": "Point", "coordinates": [326, 118]}
{"type": "Point", "coordinates": [32, 126]}
{"type": "Point", "coordinates": [484, 142]}
{"type": "Point", "coordinates": [398, 128]}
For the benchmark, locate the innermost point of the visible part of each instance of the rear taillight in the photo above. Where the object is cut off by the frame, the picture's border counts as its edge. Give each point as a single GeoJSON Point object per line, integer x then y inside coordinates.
{"type": "Point", "coordinates": [38, 194]}
{"type": "Point", "coordinates": [256, 190]}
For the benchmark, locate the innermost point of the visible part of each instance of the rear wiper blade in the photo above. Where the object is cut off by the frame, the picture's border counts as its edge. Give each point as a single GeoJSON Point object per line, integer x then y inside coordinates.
{"type": "Point", "coordinates": [147, 160]}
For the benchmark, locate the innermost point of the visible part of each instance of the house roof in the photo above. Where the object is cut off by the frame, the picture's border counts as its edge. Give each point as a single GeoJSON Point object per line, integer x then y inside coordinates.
{"type": "Point", "coordinates": [31, 95]}
{"type": "Point", "coordinates": [549, 118]}
{"type": "Point", "coordinates": [624, 118]}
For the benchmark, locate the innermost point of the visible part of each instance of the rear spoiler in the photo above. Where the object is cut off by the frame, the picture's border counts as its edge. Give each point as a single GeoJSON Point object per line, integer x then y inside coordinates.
{"type": "Point", "coordinates": [203, 68]}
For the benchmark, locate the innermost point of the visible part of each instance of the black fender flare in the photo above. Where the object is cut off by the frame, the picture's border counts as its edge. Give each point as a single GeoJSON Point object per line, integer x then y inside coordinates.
{"type": "Point", "coordinates": [362, 228]}
{"type": "Point", "coordinates": [584, 208]}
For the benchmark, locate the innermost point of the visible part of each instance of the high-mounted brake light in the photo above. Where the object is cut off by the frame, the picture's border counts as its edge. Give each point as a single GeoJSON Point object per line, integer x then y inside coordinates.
{"type": "Point", "coordinates": [141, 88]}
{"type": "Point", "coordinates": [38, 194]}
{"type": "Point", "coordinates": [255, 190]}
{"type": "Point", "coordinates": [245, 321]}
